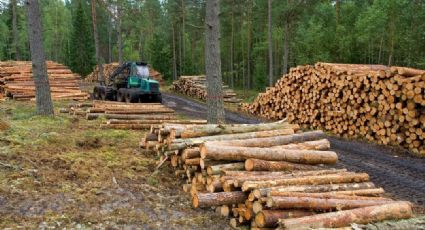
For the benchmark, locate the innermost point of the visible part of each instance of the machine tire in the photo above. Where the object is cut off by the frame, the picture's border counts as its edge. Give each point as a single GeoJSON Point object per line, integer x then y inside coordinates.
{"type": "Point", "coordinates": [157, 99]}
{"type": "Point", "coordinates": [121, 95]}
{"type": "Point", "coordinates": [109, 94]}
{"type": "Point", "coordinates": [102, 93]}
{"type": "Point", "coordinates": [96, 93]}
{"type": "Point", "coordinates": [131, 97]}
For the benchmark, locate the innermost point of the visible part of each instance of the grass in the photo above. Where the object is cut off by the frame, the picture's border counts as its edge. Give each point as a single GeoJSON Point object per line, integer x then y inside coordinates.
{"type": "Point", "coordinates": [65, 171]}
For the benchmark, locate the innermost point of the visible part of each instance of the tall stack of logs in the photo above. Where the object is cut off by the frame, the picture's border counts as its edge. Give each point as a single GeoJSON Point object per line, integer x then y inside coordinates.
{"type": "Point", "coordinates": [266, 175]}
{"type": "Point", "coordinates": [108, 69]}
{"type": "Point", "coordinates": [136, 116]}
{"type": "Point", "coordinates": [382, 104]}
{"type": "Point", "coordinates": [16, 81]}
{"type": "Point", "coordinates": [196, 86]}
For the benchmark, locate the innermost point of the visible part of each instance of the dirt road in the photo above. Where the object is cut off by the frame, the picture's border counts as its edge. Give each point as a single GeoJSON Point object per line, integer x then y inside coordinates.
{"type": "Point", "coordinates": [402, 176]}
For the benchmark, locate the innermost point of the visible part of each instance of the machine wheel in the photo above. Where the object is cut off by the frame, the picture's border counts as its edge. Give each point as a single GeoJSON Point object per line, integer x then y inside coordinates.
{"type": "Point", "coordinates": [96, 93]}
{"type": "Point", "coordinates": [121, 95]}
{"type": "Point", "coordinates": [131, 97]}
{"type": "Point", "coordinates": [157, 99]}
{"type": "Point", "coordinates": [102, 93]}
{"type": "Point", "coordinates": [109, 94]}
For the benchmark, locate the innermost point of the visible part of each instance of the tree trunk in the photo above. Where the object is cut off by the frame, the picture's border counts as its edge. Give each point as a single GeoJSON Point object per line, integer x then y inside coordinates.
{"type": "Point", "coordinates": [262, 165]}
{"type": "Point", "coordinates": [109, 40]}
{"type": "Point", "coordinates": [308, 180]}
{"type": "Point", "coordinates": [270, 218]}
{"type": "Point", "coordinates": [232, 46]}
{"type": "Point", "coordinates": [99, 61]}
{"type": "Point", "coordinates": [120, 42]}
{"type": "Point", "coordinates": [216, 151]}
{"type": "Point", "coordinates": [396, 210]}
{"type": "Point", "coordinates": [215, 105]}
{"type": "Point", "coordinates": [249, 75]}
{"type": "Point", "coordinates": [39, 70]}
{"type": "Point", "coordinates": [202, 200]}
{"type": "Point", "coordinates": [270, 41]}
{"type": "Point", "coordinates": [174, 55]}
{"type": "Point", "coordinates": [286, 47]}
{"type": "Point", "coordinates": [15, 32]}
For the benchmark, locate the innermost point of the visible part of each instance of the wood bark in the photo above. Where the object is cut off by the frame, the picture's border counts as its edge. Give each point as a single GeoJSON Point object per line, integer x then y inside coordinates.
{"type": "Point", "coordinates": [396, 210]}
{"type": "Point", "coordinates": [211, 150]}
{"type": "Point", "coordinates": [42, 89]}
{"type": "Point", "coordinates": [202, 200]}
{"type": "Point", "coordinates": [270, 218]}
{"type": "Point", "coordinates": [15, 33]}
{"type": "Point", "coordinates": [262, 165]}
{"type": "Point", "coordinates": [313, 203]}
{"type": "Point", "coordinates": [322, 144]}
{"type": "Point", "coordinates": [215, 104]}
{"type": "Point", "coordinates": [308, 180]}
{"type": "Point", "coordinates": [270, 42]}
{"type": "Point", "coordinates": [358, 194]}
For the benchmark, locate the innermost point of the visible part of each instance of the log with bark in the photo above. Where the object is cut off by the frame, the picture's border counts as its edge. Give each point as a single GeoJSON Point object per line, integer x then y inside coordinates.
{"type": "Point", "coordinates": [202, 200]}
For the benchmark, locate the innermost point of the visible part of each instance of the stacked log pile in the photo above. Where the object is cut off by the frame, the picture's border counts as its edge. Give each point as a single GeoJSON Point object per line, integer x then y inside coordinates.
{"type": "Point", "coordinates": [136, 116]}
{"type": "Point", "coordinates": [16, 81]}
{"type": "Point", "coordinates": [267, 175]}
{"type": "Point", "coordinates": [382, 104]}
{"type": "Point", "coordinates": [108, 69]}
{"type": "Point", "coordinates": [195, 86]}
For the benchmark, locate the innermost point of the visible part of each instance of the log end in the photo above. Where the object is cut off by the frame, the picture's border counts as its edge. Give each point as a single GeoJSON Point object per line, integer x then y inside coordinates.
{"type": "Point", "coordinates": [260, 219]}
{"type": "Point", "coordinates": [195, 201]}
{"type": "Point", "coordinates": [257, 207]}
{"type": "Point", "coordinates": [249, 165]}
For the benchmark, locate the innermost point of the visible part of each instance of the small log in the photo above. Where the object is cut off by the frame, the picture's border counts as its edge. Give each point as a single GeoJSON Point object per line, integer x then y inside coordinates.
{"type": "Point", "coordinates": [270, 218]}
{"type": "Point", "coordinates": [392, 211]}
{"type": "Point", "coordinates": [355, 194]}
{"type": "Point", "coordinates": [191, 153]}
{"type": "Point", "coordinates": [308, 180]}
{"type": "Point", "coordinates": [202, 200]}
{"type": "Point", "coordinates": [217, 169]}
{"type": "Point", "coordinates": [322, 144]}
{"type": "Point", "coordinates": [312, 203]}
{"type": "Point", "coordinates": [262, 165]}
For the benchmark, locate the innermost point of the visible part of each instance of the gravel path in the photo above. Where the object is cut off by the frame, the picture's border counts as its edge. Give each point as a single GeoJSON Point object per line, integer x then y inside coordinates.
{"type": "Point", "coordinates": [402, 176]}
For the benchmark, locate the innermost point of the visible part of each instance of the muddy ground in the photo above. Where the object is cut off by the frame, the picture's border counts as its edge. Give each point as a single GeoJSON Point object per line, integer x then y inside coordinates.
{"type": "Point", "coordinates": [400, 174]}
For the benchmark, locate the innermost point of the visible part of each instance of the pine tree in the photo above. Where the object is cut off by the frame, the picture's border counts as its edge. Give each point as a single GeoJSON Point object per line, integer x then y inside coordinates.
{"type": "Point", "coordinates": [82, 49]}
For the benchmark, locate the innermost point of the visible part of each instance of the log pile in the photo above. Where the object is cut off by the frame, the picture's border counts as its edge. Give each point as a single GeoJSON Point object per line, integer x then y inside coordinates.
{"type": "Point", "coordinates": [108, 69]}
{"type": "Point", "coordinates": [382, 104]}
{"type": "Point", "coordinates": [195, 86]}
{"type": "Point", "coordinates": [266, 175]}
{"type": "Point", "coordinates": [136, 116]}
{"type": "Point", "coordinates": [16, 81]}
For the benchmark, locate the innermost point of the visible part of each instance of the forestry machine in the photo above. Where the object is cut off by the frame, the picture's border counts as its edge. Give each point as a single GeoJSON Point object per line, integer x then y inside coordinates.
{"type": "Point", "coordinates": [130, 83]}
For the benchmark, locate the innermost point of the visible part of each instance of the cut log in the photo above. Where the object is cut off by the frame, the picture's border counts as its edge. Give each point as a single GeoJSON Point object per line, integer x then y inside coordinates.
{"type": "Point", "coordinates": [190, 153]}
{"type": "Point", "coordinates": [270, 218]}
{"type": "Point", "coordinates": [322, 144]}
{"type": "Point", "coordinates": [277, 140]}
{"type": "Point", "coordinates": [209, 130]}
{"type": "Point", "coordinates": [262, 165]}
{"type": "Point", "coordinates": [211, 150]}
{"type": "Point", "coordinates": [392, 211]}
{"type": "Point", "coordinates": [308, 180]}
{"type": "Point", "coordinates": [356, 194]}
{"type": "Point", "coordinates": [202, 200]}
{"type": "Point", "coordinates": [217, 169]}
{"type": "Point", "coordinates": [318, 204]}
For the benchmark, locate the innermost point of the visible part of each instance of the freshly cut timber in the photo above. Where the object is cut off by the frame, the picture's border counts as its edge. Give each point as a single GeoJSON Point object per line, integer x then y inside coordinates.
{"type": "Point", "coordinates": [217, 169]}
{"type": "Point", "coordinates": [275, 141]}
{"type": "Point", "coordinates": [209, 130]}
{"type": "Point", "coordinates": [380, 103]}
{"type": "Point", "coordinates": [312, 203]}
{"type": "Point", "coordinates": [262, 165]}
{"type": "Point", "coordinates": [92, 116]}
{"type": "Point", "coordinates": [270, 218]}
{"type": "Point", "coordinates": [202, 200]}
{"type": "Point", "coordinates": [322, 144]}
{"type": "Point", "coordinates": [308, 180]}
{"type": "Point", "coordinates": [212, 150]}
{"type": "Point", "coordinates": [392, 211]}
{"type": "Point", "coordinates": [357, 194]}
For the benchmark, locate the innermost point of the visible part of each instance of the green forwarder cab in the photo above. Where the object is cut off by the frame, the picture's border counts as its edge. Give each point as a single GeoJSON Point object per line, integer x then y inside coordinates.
{"type": "Point", "coordinates": [130, 83]}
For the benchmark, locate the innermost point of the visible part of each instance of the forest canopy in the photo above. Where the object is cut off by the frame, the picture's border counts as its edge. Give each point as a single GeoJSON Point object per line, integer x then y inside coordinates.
{"type": "Point", "coordinates": [167, 32]}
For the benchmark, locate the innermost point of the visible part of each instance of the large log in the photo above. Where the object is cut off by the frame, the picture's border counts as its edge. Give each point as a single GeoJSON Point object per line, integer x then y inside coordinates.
{"type": "Point", "coordinates": [270, 218]}
{"type": "Point", "coordinates": [202, 200]}
{"type": "Point", "coordinates": [396, 210]}
{"type": "Point", "coordinates": [355, 194]}
{"type": "Point", "coordinates": [275, 141]}
{"type": "Point", "coordinates": [212, 150]}
{"type": "Point", "coordinates": [322, 144]}
{"type": "Point", "coordinates": [308, 180]}
{"type": "Point", "coordinates": [262, 165]}
{"type": "Point", "coordinates": [313, 203]}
